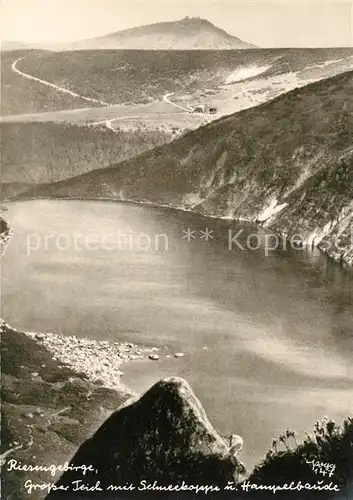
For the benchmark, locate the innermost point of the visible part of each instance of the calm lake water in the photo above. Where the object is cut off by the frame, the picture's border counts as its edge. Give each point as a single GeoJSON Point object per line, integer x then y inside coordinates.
{"type": "Point", "coordinates": [268, 340]}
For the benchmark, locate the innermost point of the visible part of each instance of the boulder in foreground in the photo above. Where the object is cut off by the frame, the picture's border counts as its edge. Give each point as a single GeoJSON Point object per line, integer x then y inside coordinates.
{"type": "Point", "coordinates": [165, 436]}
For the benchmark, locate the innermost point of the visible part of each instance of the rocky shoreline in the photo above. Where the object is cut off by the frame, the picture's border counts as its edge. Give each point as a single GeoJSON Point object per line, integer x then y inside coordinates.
{"type": "Point", "coordinates": [99, 360]}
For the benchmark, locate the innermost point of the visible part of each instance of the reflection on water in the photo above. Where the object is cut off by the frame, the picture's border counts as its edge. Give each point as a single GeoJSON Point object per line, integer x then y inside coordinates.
{"type": "Point", "coordinates": [268, 339]}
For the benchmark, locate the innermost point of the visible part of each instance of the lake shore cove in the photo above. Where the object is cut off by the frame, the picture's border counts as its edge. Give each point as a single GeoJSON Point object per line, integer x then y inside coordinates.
{"type": "Point", "coordinates": [277, 164]}
{"type": "Point", "coordinates": [161, 443]}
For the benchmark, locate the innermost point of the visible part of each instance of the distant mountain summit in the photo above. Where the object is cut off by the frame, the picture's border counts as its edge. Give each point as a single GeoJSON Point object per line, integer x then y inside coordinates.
{"type": "Point", "coordinates": [190, 33]}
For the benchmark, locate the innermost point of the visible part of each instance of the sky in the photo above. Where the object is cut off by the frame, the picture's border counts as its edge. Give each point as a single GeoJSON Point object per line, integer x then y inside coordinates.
{"type": "Point", "coordinates": [279, 23]}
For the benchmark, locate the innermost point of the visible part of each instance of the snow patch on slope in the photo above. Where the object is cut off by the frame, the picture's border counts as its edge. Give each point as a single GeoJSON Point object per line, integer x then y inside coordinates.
{"type": "Point", "coordinates": [270, 211]}
{"type": "Point", "coordinates": [244, 73]}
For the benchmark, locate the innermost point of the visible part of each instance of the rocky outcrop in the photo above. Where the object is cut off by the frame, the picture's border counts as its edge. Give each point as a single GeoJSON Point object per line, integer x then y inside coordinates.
{"type": "Point", "coordinates": [100, 360]}
{"type": "Point", "coordinates": [164, 437]}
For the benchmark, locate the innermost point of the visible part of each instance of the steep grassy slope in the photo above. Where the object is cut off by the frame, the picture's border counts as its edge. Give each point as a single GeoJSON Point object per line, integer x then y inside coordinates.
{"type": "Point", "coordinates": [287, 164]}
{"type": "Point", "coordinates": [33, 153]}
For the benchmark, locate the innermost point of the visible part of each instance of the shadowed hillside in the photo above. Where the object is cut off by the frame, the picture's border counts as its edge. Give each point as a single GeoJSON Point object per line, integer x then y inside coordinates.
{"type": "Point", "coordinates": [287, 164]}
{"type": "Point", "coordinates": [33, 153]}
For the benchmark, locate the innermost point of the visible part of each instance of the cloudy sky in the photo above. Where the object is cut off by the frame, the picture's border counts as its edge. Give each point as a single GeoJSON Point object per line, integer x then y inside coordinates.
{"type": "Point", "coordinates": [293, 23]}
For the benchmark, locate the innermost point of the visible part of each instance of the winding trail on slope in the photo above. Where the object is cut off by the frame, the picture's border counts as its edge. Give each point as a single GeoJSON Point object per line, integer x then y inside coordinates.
{"type": "Point", "coordinates": [107, 123]}
{"type": "Point", "coordinates": [166, 99]}
{"type": "Point", "coordinates": [52, 85]}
